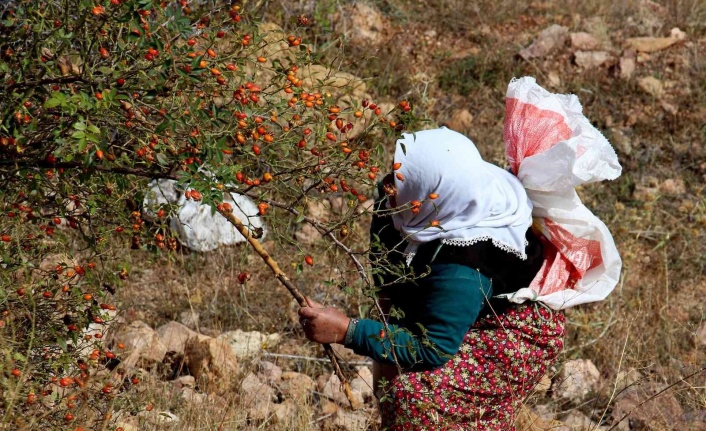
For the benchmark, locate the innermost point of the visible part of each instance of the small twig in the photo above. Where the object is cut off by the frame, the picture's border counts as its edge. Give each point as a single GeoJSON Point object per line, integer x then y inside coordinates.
{"type": "Point", "coordinates": [279, 275]}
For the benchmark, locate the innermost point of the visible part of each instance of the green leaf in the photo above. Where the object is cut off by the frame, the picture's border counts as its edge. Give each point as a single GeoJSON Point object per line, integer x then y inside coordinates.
{"type": "Point", "coordinates": [93, 129]}
{"type": "Point", "coordinates": [80, 126]}
{"type": "Point", "coordinates": [79, 135]}
{"type": "Point", "coordinates": [52, 103]}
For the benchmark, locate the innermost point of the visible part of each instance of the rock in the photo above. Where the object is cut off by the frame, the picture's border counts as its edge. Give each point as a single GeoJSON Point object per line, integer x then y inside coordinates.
{"type": "Point", "coordinates": [200, 229]}
{"type": "Point", "coordinates": [350, 421]}
{"type": "Point", "coordinates": [591, 59]}
{"type": "Point", "coordinates": [189, 318]}
{"type": "Point", "coordinates": [545, 383]}
{"type": "Point", "coordinates": [362, 384]}
{"type": "Point", "coordinates": [676, 33]}
{"type": "Point", "coordinates": [159, 418]}
{"type": "Point", "coordinates": [577, 421]}
{"type": "Point", "coordinates": [553, 79]}
{"type": "Point", "coordinates": [460, 121]}
{"type": "Point", "coordinates": [627, 67]}
{"type": "Point", "coordinates": [257, 397]}
{"type": "Point", "coordinates": [626, 379]}
{"type": "Point", "coordinates": [248, 344]}
{"type": "Point", "coordinates": [317, 210]}
{"type": "Point", "coordinates": [584, 41]}
{"type": "Point", "coordinates": [546, 411]}
{"type": "Point", "coordinates": [297, 386]}
{"type": "Point", "coordinates": [174, 336]}
{"type": "Point", "coordinates": [527, 420]}
{"type": "Point", "coordinates": [184, 382]}
{"type": "Point", "coordinates": [285, 410]}
{"type": "Point", "coordinates": [644, 412]}
{"type": "Point", "coordinates": [142, 345]}
{"type": "Point", "coordinates": [362, 24]}
{"type": "Point", "coordinates": [547, 41]}
{"type": "Point", "coordinates": [673, 187]}
{"type": "Point", "coordinates": [50, 262]}
{"type": "Point", "coordinates": [577, 378]}
{"type": "Point", "coordinates": [669, 107]}
{"type": "Point", "coordinates": [652, 86]}
{"type": "Point", "coordinates": [332, 389]}
{"type": "Point", "coordinates": [192, 397]}
{"type": "Point", "coordinates": [212, 362]}
{"type": "Point", "coordinates": [270, 372]}
{"type": "Point", "coordinates": [651, 44]}
{"type": "Point", "coordinates": [321, 78]}
{"type": "Point", "coordinates": [701, 335]}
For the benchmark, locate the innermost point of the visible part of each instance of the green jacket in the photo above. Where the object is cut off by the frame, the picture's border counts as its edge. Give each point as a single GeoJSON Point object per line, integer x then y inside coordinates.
{"type": "Point", "coordinates": [433, 312]}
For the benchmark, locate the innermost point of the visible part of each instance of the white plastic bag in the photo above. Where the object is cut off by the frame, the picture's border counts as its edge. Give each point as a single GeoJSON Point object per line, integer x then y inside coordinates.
{"type": "Point", "coordinates": [552, 148]}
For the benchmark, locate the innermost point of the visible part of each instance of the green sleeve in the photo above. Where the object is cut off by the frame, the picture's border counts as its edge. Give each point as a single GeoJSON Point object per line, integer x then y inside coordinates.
{"type": "Point", "coordinates": [440, 310]}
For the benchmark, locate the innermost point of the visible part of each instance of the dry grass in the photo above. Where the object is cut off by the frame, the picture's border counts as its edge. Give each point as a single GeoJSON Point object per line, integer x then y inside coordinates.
{"type": "Point", "coordinates": [647, 324]}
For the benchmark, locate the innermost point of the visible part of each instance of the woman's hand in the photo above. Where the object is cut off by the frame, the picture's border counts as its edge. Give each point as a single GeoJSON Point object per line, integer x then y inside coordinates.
{"type": "Point", "coordinates": [323, 324]}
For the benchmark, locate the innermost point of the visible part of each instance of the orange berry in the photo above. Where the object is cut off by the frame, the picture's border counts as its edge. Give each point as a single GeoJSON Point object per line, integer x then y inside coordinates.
{"type": "Point", "coordinates": [433, 196]}
{"type": "Point", "coordinates": [396, 166]}
{"type": "Point", "coordinates": [434, 223]}
{"type": "Point", "coordinates": [309, 260]}
{"type": "Point", "coordinates": [400, 176]}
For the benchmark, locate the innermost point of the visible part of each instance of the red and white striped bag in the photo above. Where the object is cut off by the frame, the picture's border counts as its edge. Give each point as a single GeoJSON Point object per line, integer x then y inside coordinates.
{"type": "Point", "coordinates": [553, 148]}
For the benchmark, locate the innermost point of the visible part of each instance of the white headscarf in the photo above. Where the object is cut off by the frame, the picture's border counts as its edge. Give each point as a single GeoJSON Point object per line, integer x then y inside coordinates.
{"type": "Point", "coordinates": [476, 200]}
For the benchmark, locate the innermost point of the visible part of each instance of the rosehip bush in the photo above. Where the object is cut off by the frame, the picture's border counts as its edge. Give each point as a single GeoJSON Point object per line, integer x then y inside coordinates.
{"type": "Point", "coordinates": [99, 97]}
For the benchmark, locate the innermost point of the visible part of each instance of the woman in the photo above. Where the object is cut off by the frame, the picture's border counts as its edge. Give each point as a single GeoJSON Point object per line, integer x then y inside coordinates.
{"type": "Point", "coordinates": [462, 346]}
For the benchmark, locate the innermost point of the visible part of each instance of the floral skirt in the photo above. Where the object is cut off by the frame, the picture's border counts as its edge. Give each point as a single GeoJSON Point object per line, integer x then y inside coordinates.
{"type": "Point", "coordinates": [500, 361]}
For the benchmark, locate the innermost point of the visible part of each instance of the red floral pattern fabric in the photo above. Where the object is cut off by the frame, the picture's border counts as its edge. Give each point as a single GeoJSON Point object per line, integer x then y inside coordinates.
{"type": "Point", "coordinates": [501, 359]}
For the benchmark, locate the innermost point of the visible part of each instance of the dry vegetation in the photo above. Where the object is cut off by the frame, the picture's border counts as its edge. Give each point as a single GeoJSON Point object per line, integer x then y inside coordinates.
{"type": "Point", "coordinates": [447, 56]}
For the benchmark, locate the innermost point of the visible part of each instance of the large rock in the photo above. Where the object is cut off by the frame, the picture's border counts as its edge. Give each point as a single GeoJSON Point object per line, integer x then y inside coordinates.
{"type": "Point", "coordinates": [331, 388]}
{"type": "Point", "coordinates": [249, 344]}
{"type": "Point", "coordinates": [652, 44]}
{"type": "Point", "coordinates": [142, 345]}
{"type": "Point", "coordinates": [577, 421]}
{"type": "Point", "coordinates": [362, 24]}
{"type": "Point", "coordinates": [549, 39]}
{"type": "Point", "coordinates": [257, 397]}
{"type": "Point", "coordinates": [350, 421]}
{"type": "Point", "coordinates": [591, 59]}
{"type": "Point", "coordinates": [577, 378]}
{"type": "Point", "coordinates": [647, 410]}
{"type": "Point", "coordinates": [652, 86]}
{"type": "Point", "coordinates": [627, 67]}
{"type": "Point", "coordinates": [321, 78]}
{"type": "Point", "coordinates": [270, 372]}
{"type": "Point", "coordinates": [174, 336]}
{"type": "Point", "coordinates": [212, 363]}
{"type": "Point", "coordinates": [297, 386]}
{"type": "Point", "coordinates": [362, 384]}
{"type": "Point", "coordinates": [584, 41]}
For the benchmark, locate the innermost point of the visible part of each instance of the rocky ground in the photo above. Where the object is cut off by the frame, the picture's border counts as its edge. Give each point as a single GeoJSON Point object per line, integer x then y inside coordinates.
{"type": "Point", "coordinates": [217, 354]}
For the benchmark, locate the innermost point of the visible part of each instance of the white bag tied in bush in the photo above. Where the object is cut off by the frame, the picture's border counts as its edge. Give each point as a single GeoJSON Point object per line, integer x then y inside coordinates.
{"type": "Point", "coordinates": [552, 148]}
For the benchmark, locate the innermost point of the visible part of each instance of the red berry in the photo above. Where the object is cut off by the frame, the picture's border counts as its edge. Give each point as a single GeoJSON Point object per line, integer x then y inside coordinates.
{"type": "Point", "coordinates": [309, 260]}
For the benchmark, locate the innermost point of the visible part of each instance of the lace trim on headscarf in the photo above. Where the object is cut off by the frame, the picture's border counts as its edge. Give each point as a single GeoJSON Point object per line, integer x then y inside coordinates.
{"type": "Point", "coordinates": [412, 246]}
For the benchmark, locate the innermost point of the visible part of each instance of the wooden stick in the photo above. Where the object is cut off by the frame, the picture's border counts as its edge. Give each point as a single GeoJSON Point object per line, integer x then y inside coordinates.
{"type": "Point", "coordinates": [279, 275]}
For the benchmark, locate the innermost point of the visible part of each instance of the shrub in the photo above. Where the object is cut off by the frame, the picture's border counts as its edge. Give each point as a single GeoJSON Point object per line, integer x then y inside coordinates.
{"type": "Point", "coordinates": [96, 99]}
